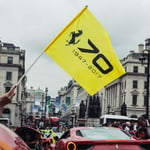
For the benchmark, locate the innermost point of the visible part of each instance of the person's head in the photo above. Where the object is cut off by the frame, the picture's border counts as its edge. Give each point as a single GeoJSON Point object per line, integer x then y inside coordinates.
{"type": "Point", "coordinates": [128, 124]}
{"type": "Point", "coordinates": [142, 121]}
{"type": "Point", "coordinates": [132, 122]}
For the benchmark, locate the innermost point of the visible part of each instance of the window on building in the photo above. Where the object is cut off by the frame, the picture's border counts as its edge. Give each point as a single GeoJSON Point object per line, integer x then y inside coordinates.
{"type": "Point", "coordinates": [135, 69]}
{"type": "Point", "coordinates": [145, 70]}
{"type": "Point", "coordinates": [8, 75]}
{"type": "Point", "coordinates": [135, 84]}
{"type": "Point", "coordinates": [125, 68]}
{"type": "Point", "coordinates": [7, 89]}
{"type": "Point", "coordinates": [10, 60]}
{"type": "Point", "coordinates": [145, 85]}
{"type": "Point", "coordinates": [134, 100]}
{"type": "Point", "coordinates": [145, 100]}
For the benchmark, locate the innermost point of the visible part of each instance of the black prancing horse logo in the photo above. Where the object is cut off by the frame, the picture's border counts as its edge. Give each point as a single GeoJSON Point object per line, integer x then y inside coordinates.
{"type": "Point", "coordinates": [74, 35]}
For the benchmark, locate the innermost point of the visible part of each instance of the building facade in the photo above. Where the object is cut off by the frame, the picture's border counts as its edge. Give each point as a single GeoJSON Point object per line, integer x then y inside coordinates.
{"type": "Point", "coordinates": [39, 103]}
{"type": "Point", "coordinates": [12, 67]}
{"type": "Point", "coordinates": [130, 89]}
{"type": "Point", "coordinates": [125, 96]}
{"type": "Point", "coordinates": [68, 102]}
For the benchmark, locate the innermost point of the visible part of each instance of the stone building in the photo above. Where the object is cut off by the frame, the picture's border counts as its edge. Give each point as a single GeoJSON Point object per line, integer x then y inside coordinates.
{"type": "Point", "coordinates": [125, 96]}
{"type": "Point", "coordinates": [12, 67]}
{"type": "Point", "coordinates": [130, 89]}
{"type": "Point", "coordinates": [39, 104]}
{"type": "Point", "coordinates": [68, 101]}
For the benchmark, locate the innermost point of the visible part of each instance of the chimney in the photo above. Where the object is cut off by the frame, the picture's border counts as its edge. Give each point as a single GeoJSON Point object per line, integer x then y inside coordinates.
{"type": "Point", "coordinates": [147, 44]}
{"type": "Point", "coordinates": [131, 51]}
{"type": "Point", "coordinates": [141, 48]}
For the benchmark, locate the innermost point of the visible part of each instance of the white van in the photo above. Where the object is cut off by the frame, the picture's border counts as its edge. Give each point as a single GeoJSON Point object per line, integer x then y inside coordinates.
{"type": "Point", "coordinates": [111, 118]}
{"type": "Point", "coordinates": [5, 121]}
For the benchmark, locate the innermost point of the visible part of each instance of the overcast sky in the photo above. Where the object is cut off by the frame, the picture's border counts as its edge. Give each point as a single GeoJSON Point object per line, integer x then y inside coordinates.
{"type": "Point", "coordinates": [32, 24]}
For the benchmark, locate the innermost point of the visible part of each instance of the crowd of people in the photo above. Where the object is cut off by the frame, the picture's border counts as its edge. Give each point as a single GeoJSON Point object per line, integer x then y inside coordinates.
{"type": "Point", "coordinates": [140, 129]}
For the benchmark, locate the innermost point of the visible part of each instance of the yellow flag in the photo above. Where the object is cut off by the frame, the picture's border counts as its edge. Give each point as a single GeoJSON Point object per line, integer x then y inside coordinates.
{"type": "Point", "coordinates": [83, 49]}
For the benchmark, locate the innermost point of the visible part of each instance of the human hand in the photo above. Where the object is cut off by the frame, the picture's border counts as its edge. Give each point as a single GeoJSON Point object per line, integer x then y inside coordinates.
{"type": "Point", "coordinates": [7, 97]}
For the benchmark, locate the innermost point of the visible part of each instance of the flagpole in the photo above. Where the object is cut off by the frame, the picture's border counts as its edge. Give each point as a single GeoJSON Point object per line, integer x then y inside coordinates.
{"type": "Point", "coordinates": [29, 68]}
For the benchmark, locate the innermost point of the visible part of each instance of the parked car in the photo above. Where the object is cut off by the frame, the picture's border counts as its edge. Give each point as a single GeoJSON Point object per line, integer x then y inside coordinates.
{"type": "Point", "coordinates": [99, 138]}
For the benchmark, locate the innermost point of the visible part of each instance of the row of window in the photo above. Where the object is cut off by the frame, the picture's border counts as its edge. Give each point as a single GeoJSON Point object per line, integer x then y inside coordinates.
{"type": "Point", "coordinates": [134, 100]}
{"type": "Point", "coordinates": [8, 78]}
{"type": "Point", "coordinates": [135, 69]}
{"type": "Point", "coordinates": [8, 75]}
{"type": "Point", "coordinates": [135, 84]}
{"type": "Point", "coordinates": [9, 60]}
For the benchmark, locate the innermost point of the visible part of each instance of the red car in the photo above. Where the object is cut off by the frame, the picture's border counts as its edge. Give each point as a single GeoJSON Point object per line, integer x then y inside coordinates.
{"type": "Point", "coordinates": [11, 141]}
{"type": "Point", "coordinates": [99, 138]}
{"type": "Point", "coordinates": [34, 139]}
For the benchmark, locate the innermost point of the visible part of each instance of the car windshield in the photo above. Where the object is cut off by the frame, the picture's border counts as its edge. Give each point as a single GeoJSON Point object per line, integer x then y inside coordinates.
{"type": "Point", "coordinates": [103, 133]}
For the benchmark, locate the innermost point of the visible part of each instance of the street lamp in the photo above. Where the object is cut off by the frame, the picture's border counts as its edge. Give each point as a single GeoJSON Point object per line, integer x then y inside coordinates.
{"type": "Point", "coordinates": [147, 49]}
{"type": "Point", "coordinates": [108, 109]}
{"type": "Point", "coordinates": [73, 115]}
{"type": "Point", "coordinates": [101, 104]}
{"type": "Point", "coordinates": [46, 90]}
{"type": "Point", "coordinates": [42, 114]}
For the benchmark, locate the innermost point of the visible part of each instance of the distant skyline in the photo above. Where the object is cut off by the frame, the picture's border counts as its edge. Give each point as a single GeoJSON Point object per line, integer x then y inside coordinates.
{"type": "Point", "coordinates": [32, 24]}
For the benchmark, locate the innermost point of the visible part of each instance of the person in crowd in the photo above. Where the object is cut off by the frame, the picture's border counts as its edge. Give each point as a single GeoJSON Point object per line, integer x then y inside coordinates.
{"type": "Point", "coordinates": [48, 132]}
{"type": "Point", "coordinates": [127, 127]}
{"type": "Point", "coordinates": [142, 128]}
{"type": "Point", "coordinates": [133, 127]}
{"type": "Point", "coordinates": [6, 98]}
{"type": "Point", "coordinates": [117, 124]}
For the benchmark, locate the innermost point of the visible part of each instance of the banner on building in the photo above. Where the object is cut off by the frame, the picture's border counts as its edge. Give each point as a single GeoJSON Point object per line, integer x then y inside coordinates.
{"type": "Point", "coordinates": [37, 100]}
{"type": "Point", "coordinates": [48, 100]}
{"type": "Point", "coordinates": [68, 101]}
{"type": "Point", "coordinates": [57, 104]}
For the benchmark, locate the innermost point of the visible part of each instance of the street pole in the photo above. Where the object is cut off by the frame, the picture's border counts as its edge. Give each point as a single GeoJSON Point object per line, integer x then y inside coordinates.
{"type": "Point", "coordinates": [147, 47]}
{"type": "Point", "coordinates": [46, 90]}
{"type": "Point", "coordinates": [42, 106]}
{"type": "Point", "coordinates": [108, 109]}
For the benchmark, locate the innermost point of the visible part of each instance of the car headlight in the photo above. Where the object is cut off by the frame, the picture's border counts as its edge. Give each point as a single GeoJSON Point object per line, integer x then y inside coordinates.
{"type": "Point", "coordinates": [71, 146]}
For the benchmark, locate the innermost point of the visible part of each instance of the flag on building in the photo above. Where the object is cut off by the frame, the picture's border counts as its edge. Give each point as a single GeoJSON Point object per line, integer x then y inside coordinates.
{"type": "Point", "coordinates": [68, 101]}
{"type": "Point", "coordinates": [37, 100]}
{"type": "Point", "coordinates": [83, 49]}
{"type": "Point", "coordinates": [64, 108]}
{"type": "Point", "coordinates": [57, 104]}
{"type": "Point", "coordinates": [48, 100]}
{"type": "Point", "coordinates": [34, 108]}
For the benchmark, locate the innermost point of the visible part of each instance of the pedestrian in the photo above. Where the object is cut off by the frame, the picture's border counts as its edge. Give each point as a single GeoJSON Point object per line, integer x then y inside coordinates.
{"type": "Point", "coordinates": [142, 128]}
{"type": "Point", "coordinates": [127, 127]}
{"type": "Point", "coordinates": [6, 98]}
